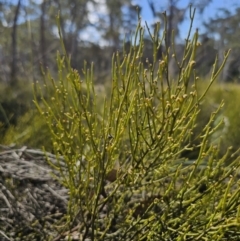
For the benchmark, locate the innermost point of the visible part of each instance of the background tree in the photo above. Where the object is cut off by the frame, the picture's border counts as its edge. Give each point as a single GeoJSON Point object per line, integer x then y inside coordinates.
{"type": "Point", "coordinates": [14, 43]}
{"type": "Point", "coordinates": [223, 29]}
{"type": "Point", "coordinates": [44, 6]}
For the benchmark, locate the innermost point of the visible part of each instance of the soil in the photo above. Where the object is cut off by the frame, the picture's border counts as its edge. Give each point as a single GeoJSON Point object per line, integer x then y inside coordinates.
{"type": "Point", "coordinates": [31, 199]}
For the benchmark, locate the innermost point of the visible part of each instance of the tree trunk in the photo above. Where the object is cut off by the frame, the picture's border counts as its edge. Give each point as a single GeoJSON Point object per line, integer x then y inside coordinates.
{"type": "Point", "coordinates": [42, 35]}
{"type": "Point", "coordinates": [13, 78]}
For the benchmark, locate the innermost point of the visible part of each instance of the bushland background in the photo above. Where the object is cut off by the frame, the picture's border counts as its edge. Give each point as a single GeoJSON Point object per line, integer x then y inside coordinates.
{"type": "Point", "coordinates": [29, 42]}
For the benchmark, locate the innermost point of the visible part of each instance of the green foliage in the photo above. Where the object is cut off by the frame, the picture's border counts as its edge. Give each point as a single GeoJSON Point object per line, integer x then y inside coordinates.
{"type": "Point", "coordinates": [14, 102]}
{"type": "Point", "coordinates": [121, 154]}
{"type": "Point", "coordinates": [31, 130]}
{"type": "Point", "coordinates": [20, 123]}
{"type": "Point", "coordinates": [230, 132]}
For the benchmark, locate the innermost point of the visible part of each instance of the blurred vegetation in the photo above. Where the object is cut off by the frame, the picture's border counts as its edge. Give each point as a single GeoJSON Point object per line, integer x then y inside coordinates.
{"type": "Point", "coordinates": [229, 134]}
{"type": "Point", "coordinates": [14, 103]}
{"type": "Point", "coordinates": [93, 30]}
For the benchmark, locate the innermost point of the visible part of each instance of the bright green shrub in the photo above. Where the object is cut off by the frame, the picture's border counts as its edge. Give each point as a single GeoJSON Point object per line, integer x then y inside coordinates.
{"type": "Point", "coordinates": [121, 154]}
